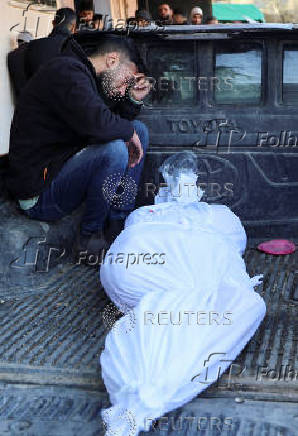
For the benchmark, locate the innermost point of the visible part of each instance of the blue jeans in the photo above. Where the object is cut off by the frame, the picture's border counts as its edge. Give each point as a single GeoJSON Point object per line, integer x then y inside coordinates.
{"type": "Point", "coordinates": [93, 175]}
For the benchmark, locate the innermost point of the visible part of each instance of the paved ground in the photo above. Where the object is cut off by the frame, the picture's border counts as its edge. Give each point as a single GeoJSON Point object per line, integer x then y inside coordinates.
{"type": "Point", "coordinates": [52, 332]}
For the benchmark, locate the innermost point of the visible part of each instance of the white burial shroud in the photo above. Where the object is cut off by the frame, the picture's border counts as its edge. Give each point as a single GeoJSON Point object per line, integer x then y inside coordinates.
{"type": "Point", "coordinates": [168, 347]}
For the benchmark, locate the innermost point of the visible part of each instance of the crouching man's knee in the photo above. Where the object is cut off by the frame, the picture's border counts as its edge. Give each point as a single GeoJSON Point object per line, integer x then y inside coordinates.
{"type": "Point", "coordinates": [142, 132]}
{"type": "Point", "coordinates": [117, 152]}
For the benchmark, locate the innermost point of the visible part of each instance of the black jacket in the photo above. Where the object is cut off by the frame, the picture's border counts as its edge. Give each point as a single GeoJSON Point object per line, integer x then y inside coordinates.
{"type": "Point", "coordinates": [59, 112]}
{"type": "Point", "coordinates": [26, 60]}
{"type": "Point", "coordinates": [41, 50]}
{"type": "Point", "coordinates": [16, 68]}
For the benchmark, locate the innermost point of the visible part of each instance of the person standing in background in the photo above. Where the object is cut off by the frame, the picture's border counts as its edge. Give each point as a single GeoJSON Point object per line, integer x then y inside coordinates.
{"type": "Point", "coordinates": [178, 17]}
{"type": "Point", "coordinates": [142, 18]}
{"type": "Point", "coordinates": [165, 14]}
{"type": "Point", "coordinates": [42, 50]}
{"type": "Point", "coordinates": [85, 15]}
{"type": "Point", "coordinates": [196, 16]}
{"type": "Point", "coordinates": [25, 61]}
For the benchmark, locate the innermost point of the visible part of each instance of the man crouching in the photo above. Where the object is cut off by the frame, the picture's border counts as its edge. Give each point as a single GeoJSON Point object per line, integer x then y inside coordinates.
{"type": "Point", "coordinates": [67, 146]}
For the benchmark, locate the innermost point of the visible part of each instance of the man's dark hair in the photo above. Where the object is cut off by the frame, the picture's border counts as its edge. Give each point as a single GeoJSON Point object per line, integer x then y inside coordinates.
{"type": "Point", "coordinates": [86, 5]}
{"type": "Point", "coordinates": [178, 12]}
{"type": "Point", "coordinates": [65, 18]}
{"type": "Point", "coordinates": [101, 43]}
{"type": "Point", "coordinates": [108, 44]}
{"type": "Point", "coordinates": [142, 14]}
{"type": "Point", "coordinates": [165, 3]}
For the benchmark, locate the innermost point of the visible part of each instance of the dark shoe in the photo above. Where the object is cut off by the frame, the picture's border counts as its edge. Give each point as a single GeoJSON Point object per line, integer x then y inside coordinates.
{"type": "Point", "coordinates": [90, 249]}
{"type": "Point", "coordinates": [113, 229]}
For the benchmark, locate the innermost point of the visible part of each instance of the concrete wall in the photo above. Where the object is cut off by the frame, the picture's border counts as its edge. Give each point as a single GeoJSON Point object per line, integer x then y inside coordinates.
{"type": "Point", "coordinates": [102, 7]}
{"type": "Point", "coordinates": [13, 19]}
{"type": "Point", "coordinates": [116, 9]}
{"type": "Point", "coordinates": [65, 4]}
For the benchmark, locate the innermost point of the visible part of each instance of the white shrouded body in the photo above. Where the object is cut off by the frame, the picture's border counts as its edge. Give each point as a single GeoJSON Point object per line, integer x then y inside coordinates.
{"type": "Point", "coordinates": [190, 308]}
